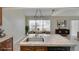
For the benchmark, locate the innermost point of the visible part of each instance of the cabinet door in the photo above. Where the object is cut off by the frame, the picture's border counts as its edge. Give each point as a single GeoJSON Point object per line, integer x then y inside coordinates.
{"type": "Point", "coordinates": [40, 48]}
{"type": "Point", "coordinates": [33, 48]}
{"type": "Point", "coordinates": [0, 46]}
{"type": "Point", "coordinates": [0, 16]}
{"type": "Point", "coordinates": [58, 48]}
{"type": "Point", "coordinates": [7, 45]}
{"type": "Point", "coordinates": [27, 48]}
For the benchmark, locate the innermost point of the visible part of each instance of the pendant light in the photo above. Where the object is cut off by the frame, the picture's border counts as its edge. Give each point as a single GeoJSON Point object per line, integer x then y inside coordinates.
{"type": "Point", "coordinates": [38, 15]}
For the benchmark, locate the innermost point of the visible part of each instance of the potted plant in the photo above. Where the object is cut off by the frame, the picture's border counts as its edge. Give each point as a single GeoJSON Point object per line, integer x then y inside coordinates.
{"type": "Point", "coordinates": [26, 29]}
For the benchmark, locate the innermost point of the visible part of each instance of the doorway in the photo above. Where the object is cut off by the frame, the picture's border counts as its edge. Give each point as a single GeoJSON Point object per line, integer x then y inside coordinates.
{"type": "Point", "coordinates": [74, 27]}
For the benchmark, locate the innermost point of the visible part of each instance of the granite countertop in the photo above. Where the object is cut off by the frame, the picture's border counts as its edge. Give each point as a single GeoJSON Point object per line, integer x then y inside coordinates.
{"type": "Point", "coordinates": [50, 40]}
{"type": "Point", "coordinates": [5, 38]}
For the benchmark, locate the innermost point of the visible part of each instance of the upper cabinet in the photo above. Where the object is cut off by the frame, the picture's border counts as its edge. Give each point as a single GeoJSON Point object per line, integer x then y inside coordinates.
{"type": "Point", "coordinates": [0, 15]}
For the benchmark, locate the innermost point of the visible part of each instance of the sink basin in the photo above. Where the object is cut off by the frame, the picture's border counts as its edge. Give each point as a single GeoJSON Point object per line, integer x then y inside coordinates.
{"type": "Point", "coordinates": [35, 39]}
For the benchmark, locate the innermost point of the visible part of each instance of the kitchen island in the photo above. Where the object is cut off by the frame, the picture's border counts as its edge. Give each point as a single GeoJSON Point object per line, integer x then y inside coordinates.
{"type": "Point", "coordinates": [52, 42]}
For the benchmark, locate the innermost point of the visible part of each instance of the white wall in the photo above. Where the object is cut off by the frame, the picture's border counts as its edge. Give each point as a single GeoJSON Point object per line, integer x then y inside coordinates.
{"type": "Point", "coordinates": [14, 24]}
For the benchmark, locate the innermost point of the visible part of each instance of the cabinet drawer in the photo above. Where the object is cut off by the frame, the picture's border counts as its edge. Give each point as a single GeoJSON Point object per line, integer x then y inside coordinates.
{"type": "Point", "coordinates": [33, 48]}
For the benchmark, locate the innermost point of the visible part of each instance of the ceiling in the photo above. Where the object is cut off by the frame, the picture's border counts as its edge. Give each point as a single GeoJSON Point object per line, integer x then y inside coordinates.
{"type": "Point", "coordinates": [64, 11]}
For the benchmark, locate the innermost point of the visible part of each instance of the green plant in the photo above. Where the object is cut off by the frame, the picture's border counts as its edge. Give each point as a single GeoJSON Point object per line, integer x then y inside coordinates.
{"type": "Point", "coordinates": [26, 29]}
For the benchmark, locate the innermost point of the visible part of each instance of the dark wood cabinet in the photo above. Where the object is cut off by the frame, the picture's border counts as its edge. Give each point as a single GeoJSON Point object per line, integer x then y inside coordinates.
{"type": "Point", "coordinates": [7, 45]}
{"type": "Point", "coordinates": [58, 48]}
{"type": "Point", "coordinates": [44, 48]}
{"type": "Point", "coordinates": [63, 32]}
{"type": "Point", "coordinates": [33, 48]}
{"type": "Point", "coordinates": [0, 15]}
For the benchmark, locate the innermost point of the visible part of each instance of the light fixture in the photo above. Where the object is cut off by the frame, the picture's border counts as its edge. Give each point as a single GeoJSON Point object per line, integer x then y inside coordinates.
{"type": "Point", "coordinates": [38, 15]}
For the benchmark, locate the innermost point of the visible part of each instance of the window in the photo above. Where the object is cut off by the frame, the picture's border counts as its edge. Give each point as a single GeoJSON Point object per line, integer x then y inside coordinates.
{"type": "Point", "coordinates": [41, 25]}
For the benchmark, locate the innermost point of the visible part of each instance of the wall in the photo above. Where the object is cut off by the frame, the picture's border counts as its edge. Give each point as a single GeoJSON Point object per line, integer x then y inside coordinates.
{"type": "Point", "coordinates": [14, 24]}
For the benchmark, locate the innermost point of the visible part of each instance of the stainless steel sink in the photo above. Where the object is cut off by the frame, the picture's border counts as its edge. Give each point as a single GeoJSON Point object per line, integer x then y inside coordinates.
{"type": "Point", "coordinates": [35, 39]}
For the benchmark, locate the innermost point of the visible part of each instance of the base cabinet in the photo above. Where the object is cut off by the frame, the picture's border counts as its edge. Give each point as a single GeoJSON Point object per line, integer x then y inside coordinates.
{"type": "Point", "coordinates": [43, 48]}
{"type": "Point", "coordinates": [58, 48]}
{"type": "Point", "coordinates": [33, 48]}
{"type": "Point", "coordinates": [7, 45]}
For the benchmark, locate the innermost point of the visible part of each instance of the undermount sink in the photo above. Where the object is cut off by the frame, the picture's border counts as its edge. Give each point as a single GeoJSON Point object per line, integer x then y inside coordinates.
{"type": "Point", "coordinates": [35, 39]}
